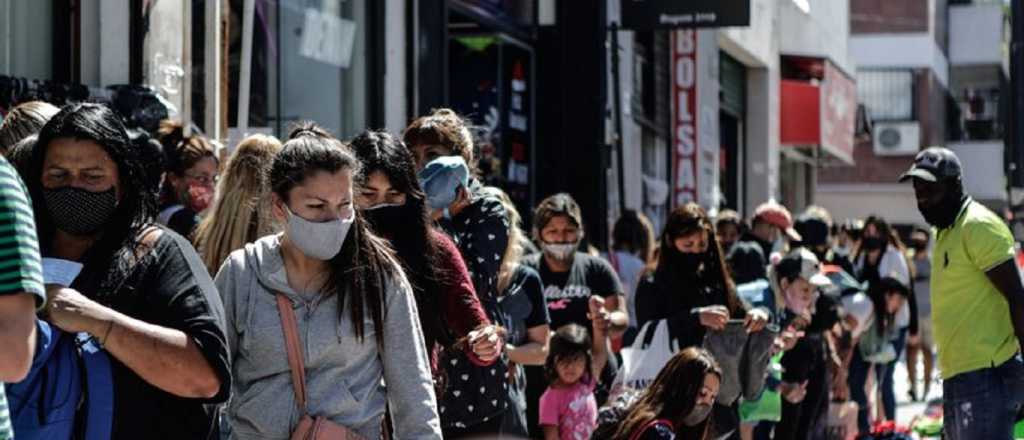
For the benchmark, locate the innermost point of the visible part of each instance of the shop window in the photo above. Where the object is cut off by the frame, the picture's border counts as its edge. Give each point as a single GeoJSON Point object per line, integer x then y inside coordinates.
{"type": "Point", "coordinates": [309, 62]}
{"type": "Point", "coordinates": [887, 94]}
{"type": "Point", "coordinates": [27, 49]}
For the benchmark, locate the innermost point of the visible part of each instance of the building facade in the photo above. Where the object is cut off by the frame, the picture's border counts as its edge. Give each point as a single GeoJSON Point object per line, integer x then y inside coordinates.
{"type": "Point", "coordinates": [928, 73]}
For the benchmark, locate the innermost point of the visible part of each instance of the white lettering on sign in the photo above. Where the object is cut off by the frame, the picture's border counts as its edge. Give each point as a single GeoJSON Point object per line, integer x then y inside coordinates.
{"type": "Point", "coordinates": [328, 38]}
{"type": "Point", "coordinates": [684, 89]}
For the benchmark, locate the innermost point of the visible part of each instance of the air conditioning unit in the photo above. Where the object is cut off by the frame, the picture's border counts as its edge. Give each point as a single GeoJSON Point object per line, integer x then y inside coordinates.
{"type": "Point", "coordinates": [897, 139]}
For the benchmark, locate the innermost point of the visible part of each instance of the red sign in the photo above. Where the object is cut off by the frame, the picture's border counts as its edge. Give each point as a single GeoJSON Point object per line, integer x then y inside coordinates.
{"type": "Point", "coordinates": [799, 123]}
{"type": "Point", "coordinates": [684, 125]}
{"type": "Point", "coordinates": [820, 113]}
{"type": "Point", "coordinates": [838, 113]}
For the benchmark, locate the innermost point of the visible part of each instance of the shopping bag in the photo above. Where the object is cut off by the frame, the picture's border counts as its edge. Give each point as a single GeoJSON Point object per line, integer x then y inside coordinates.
{"type": "Point", "coordinates": [649, 353]}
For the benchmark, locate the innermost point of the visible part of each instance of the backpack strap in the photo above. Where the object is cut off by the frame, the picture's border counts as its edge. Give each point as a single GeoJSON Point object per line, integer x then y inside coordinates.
{"type": "Point", "coordinates": [636, 435]}
{"type": "Point", "coordinates": [291, 341]}
{"type": "Point", "coordinates": [98, 387]}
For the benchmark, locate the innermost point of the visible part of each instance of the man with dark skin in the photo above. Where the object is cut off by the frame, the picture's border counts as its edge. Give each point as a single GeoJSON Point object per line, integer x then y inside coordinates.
{"type": "Point", "coordinates": [977, 300]}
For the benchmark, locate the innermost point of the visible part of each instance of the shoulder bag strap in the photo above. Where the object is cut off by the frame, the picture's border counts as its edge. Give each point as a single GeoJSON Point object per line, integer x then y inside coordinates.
{"type": "Point", "coordinates": [291, 341]}
{"type": "Point", "coordinates": [636, 435]}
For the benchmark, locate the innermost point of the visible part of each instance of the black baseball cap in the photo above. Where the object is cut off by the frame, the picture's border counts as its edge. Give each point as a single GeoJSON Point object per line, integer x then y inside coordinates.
{"type": "Point", "coordinates": [934, 164]}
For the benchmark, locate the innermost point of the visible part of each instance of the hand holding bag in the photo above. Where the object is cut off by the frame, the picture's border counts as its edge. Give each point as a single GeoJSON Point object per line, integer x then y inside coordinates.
{"type": "Point", "coordinates": [309, 427]}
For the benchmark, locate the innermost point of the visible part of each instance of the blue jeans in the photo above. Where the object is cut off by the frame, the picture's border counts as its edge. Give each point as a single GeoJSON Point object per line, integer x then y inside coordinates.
{"type": "Point", "coordinates": [858, 376]}
{"type": "Point", "coordinates": [885, 381]}
{"type": "Point", "coordinates": [983, 404]}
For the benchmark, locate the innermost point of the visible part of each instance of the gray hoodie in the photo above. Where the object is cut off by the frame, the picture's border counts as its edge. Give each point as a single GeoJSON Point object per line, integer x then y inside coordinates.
{"type": "Point", "coordinates": [343, 375]}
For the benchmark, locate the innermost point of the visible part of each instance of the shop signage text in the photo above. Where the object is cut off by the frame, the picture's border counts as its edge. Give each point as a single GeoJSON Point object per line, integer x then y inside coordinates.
{"type": "Point", "coordinates": [655, 14]}
{"type": "Point", "coordinates": [684, 133]}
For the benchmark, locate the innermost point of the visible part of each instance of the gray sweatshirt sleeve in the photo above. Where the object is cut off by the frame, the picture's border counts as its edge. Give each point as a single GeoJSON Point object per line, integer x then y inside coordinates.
{"type": "Point", "coordinates": [407, 368]}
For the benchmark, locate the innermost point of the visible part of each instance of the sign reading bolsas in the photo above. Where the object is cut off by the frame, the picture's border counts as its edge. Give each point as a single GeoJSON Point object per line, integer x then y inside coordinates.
{"type": "Point", "coordinates": [653, 14]}
{"type": "Point", "coordinates": [684, 125]}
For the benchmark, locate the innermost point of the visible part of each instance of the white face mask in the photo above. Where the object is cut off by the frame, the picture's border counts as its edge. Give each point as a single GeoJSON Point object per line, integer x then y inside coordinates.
{"type": "Point", "coordinates": [559, 251]}
{"type": "Point", "coordinates": [319, 241]}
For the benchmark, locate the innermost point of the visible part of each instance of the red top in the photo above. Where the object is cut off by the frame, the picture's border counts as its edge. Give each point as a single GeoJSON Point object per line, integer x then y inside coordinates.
{"type": "Point", "coordinates": [462, 309]}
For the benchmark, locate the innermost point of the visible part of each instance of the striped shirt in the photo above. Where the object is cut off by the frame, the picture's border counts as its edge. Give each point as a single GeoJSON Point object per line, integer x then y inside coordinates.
{"type": "Point", "coordinates": [20, 267]}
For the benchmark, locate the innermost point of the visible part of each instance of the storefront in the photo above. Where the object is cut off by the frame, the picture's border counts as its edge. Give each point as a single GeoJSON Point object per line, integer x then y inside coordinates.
{"type": "Point", "coordinates": [130, 55]}
{"type": "Point", "coordinates": [731, 124]}
{"type": "Point", "coordinates": [309, 60]}
{"type": "Point", "coordinates": [818, 104]}
{"type": "Point", "coordinates": [489, 78]}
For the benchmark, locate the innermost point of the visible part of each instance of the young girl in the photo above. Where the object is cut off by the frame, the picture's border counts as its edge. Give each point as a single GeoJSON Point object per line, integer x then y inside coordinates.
{"type": "Point", "coordinates": [678, 403]}
{"type": "Point", "coordinates": [568, 409]}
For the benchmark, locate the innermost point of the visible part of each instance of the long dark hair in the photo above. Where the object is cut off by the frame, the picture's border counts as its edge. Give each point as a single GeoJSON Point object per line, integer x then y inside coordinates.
{"type": "Point", "coordinates": [878, 288]}
{"type": "Point", "coordinates": [360, 272]}
{"type": "Point", "coordinates": [685, 220]}
{"type": "Point", "coordinates": [569, 342]}
{"type": "Point", "coordinates": [414, 244]}
{"type": "Point", "coordinates": [884, 230]}
{"type": "Point", "coordinates": [109, 261]}
{"type": "Point", "coordinates": [673, 395]}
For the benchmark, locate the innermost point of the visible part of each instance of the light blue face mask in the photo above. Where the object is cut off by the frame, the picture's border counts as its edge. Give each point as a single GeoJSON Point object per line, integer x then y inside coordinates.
{"type": "Point", "coordinates": [318, 240]}
{"type": "Point", "coordinates": [441, 179]}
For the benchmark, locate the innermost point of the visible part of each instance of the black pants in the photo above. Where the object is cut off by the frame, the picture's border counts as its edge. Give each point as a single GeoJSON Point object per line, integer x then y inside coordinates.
{"type": "Point", "coordinates": [800, 420]}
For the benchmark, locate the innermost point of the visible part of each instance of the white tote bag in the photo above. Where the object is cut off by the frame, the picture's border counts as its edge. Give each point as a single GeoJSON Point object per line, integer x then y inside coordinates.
{"type": "Point", "coordinates": [649, 353]}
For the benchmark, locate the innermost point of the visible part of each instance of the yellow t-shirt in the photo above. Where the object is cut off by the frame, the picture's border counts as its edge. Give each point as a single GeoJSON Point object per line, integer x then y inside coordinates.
{"type": "Point", "coordinates": [970, 317]}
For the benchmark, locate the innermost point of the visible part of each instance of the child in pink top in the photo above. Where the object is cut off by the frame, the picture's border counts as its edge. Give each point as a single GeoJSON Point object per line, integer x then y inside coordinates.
{"type": "Point", "coordinates": [568, 410]}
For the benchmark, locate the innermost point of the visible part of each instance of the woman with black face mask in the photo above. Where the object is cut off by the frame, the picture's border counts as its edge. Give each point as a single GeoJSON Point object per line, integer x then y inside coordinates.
{"type": "Point", "coordinates": [142, 292]}
{"type": "Point", "coordinates": [450, 312]}
{"type": "Point", "coordinates": [881, 252]}
{"type": "Point", "coordinates": [691, 288]}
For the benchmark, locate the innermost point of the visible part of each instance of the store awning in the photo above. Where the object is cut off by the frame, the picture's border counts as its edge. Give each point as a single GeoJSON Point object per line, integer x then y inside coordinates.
{"type": "Point", "coordinates": [820, 111]}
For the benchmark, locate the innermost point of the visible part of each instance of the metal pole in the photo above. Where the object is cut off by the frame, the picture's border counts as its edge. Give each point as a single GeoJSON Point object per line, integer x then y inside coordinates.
{"type": "Point", "coordinates": [211, 64]}
{"type": "Point", "coordinates": [617, 114]}
{"type": "Point", "coordinates": [245, 70]}
{"type": "Point", "coordinates": [1016, 121]}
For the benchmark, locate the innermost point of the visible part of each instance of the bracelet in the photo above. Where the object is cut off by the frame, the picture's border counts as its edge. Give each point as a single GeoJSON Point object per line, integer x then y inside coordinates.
{"type": "Point", "coordinates": [106, 335]}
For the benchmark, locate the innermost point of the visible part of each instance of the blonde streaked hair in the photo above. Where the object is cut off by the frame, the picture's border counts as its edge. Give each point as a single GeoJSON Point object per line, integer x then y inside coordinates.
{"type": "Point", "coordinates": [514, 250]}
{"type": "Point", "coordinates": [241, 212]}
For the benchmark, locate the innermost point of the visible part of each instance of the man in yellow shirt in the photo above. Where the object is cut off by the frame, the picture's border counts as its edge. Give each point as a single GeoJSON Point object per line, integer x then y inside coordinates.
{"type": "Point", "coordinates": [977, 303]}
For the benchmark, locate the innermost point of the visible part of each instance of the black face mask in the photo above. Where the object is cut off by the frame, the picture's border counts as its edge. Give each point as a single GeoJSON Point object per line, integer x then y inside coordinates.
{"type": "Point", "coordinates": [944, 213]}
{"type": "Point", "coordinates": [80, 212]}
{"type": "Point", "coordinates": [919, 246]}
{"type": "Point", "coordinates": [873, 243]}
{"type": "Point", "coordinates": [387, 220]}
{"type": "Point", "coordinates": [685, 264]}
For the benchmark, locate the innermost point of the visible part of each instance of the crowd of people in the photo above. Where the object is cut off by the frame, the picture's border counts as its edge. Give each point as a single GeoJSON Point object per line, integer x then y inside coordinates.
{"type": "Point", "coordinates": [157, 285]}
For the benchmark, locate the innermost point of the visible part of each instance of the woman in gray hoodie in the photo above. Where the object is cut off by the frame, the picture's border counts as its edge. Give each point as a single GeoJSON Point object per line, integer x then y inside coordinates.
{"type": "Point", "coordinates": [355, 311]}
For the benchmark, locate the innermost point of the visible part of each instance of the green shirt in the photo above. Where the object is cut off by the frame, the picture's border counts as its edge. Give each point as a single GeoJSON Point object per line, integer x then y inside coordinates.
{"type": "Point", "coordinates": [970, 317]}
{"type": "Point", "coordinates": [20, 268]}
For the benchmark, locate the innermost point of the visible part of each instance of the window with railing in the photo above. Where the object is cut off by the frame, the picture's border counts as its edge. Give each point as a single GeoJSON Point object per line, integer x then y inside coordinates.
{"type": "Point", "coordinates": [888, 95]}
